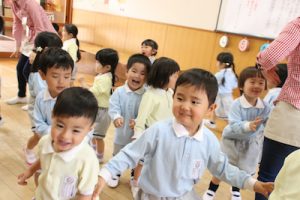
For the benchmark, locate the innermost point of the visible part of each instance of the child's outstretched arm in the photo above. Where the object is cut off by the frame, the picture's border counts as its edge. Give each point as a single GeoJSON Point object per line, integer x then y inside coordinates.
{"type": "Point", "coordinates": [22, 178]}
{"type": "Point", "coordinates": [114, 109]}
{"type": "Point", "coordinates": [98, 188]}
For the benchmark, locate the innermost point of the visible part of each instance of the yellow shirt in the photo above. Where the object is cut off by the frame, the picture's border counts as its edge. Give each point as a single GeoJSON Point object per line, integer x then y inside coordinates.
{"type": "Point", "coordinates": [156, 104]}
{"type": "Point", "coordinates": [286, 187]}
{"type": "Point", "coordinates": [68, 173]}
{"type": "Point", "coordinates": [102, 89]}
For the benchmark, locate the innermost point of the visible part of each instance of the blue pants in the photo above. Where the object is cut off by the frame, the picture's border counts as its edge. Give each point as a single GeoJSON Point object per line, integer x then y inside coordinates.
{"type": "Point", "coordinates": [273, 156]}
{"type": "Point", "coordinates": [23, 69]}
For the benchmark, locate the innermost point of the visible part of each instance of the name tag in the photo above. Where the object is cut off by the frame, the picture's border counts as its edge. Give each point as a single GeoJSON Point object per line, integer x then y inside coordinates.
{"type": "Point", "coordinates": [68, 187]}
{"type": "Point", "coordinates": [196, 169]}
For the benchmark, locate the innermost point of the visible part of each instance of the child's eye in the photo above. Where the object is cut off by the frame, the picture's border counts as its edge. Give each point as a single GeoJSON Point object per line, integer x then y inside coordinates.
{"type": "Point", "coordinates": [55, 76]}
{"type": "Point", "coordinates": [76, 131]}
{"type": "Point", "coordinates": [59, 126]}
{"type": "Point", "coordinates": [195, 102]}
{"type": "Point", "coordinates": [67, 77]}
{"type": "Point", "coordinates": [179, 98]}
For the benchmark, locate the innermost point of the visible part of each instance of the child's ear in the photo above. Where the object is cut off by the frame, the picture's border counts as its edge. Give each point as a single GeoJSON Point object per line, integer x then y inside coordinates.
{"type": "Point", "coordinates": [108, 67]}
{"type": "Point", "coordinates": [212, 107]}
{"type": "Point", "coordinates": [43, 76]}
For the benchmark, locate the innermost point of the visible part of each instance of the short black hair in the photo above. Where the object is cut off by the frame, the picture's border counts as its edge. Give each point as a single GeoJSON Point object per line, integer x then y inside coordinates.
{"type": "Point", "coordinates": [139, 58]}
{"type": "Point", "coordinates": [161, 70]}
{"type": "Point", "coordinates": [44, 39]}
{"type": "Point", "coordinates": [201, 79]}
{"type": "Point", "coordinates": [110, 57]}
{"type": "Point", "coordinates": [249, 72]}
{"type": "Point", "coordinates": [76, 102]}
{"type": "Point", "coordinates": [55, 26]}
{"type": "Point", "coordinates": [55, 57]}
{"type": "Point", "coordinates": [151, 43]}
{"type": "Point", "coordinates": [282, 72]}
{"type": "Point", "coordinates": [72, 29]}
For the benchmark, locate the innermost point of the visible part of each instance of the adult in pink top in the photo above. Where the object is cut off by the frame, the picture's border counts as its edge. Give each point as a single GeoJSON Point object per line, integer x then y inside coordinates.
{"type": "Point", "coordinates": [282, 132]}
{"type": "Point", "coordinates": [26, 13]}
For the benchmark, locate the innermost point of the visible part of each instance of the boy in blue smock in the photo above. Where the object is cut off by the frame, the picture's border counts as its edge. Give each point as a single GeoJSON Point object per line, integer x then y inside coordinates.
{"type": "Point", "coordinates": [176, 151]}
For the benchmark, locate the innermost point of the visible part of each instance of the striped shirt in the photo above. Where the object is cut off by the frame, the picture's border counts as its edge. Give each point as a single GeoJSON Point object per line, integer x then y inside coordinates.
{"type": "Point", "coordinates": [286, 45]}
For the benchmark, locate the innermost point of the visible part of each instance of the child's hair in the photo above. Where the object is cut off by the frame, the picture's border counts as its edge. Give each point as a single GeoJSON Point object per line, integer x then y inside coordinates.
{"type": "Point", "coordinates": [282, 72]}
{"type": "Point", "coordinates": [76, 102]}
{"type": "Point", "coordinates": [161, 70]}
{"type": "Point", "coordinates": [249, 72]}
{"type": "Point", "coordinates": [43, 40]}
{"type": "Point", "coordinates": [151, 43]}
{"type": "Point", "coordinates": [109, 57]}
{"type": "Point", "coordinates": [72, 29]}
{"type": "Point", "coordinates": [227, 59]}
{"type": "Point", "coordinates": [55, 57]}
{"type": "Point", "coordinates": [139, 58]}
{"type": "Point", "coordinates": [55, 26]}
{"type": "Point", "coordinates": [202, 80]}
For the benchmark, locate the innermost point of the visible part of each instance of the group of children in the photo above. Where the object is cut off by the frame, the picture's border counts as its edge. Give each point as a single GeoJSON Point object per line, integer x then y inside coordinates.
{"type": "Point", "coordinates": [159, 124]}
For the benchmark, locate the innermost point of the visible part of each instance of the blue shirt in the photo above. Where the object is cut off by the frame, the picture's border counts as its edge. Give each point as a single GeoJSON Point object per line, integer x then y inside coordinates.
{"type": "Point", "coordinates": [35, 84]}
{"type": "Point", "coordinates": [124, 103]}
{"type": "Point", "coordinates": [240, 115]}
{"type": "Point", "coordinates": [272, 96]}
{"type": "Point", "coordinates": [42, 112]}
{"type": "Point", "coordinates": [174, 161]}
{"type": "Point", "coordinates": [230, 81]}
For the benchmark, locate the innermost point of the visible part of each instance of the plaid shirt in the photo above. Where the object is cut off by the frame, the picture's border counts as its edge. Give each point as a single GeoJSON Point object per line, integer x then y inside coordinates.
{"type": "Point", "coordinates": [286, 45]}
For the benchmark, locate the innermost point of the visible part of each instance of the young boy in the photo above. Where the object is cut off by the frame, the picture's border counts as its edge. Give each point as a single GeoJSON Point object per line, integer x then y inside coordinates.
{"type": "Point", "coordinates": [56, 67]}
{"type": "Point", "coordinates": [177, 151]}
{"type": "Point", "coordinates": [149, 48]}
{"type": "Point", "coordinates": [125, 101]}
{"type": "Point", "coordinates": [69, 165]}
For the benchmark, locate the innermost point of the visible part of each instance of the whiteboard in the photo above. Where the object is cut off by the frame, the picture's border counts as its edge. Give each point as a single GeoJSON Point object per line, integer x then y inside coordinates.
{"type": "Point", "coordinates": [261, 18]}
{"type": "Point", "coordinates": [201, 14]}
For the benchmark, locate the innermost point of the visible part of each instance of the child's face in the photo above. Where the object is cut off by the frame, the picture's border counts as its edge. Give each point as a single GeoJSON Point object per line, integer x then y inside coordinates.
{"type": "Point", "coordinates": [68, 132]}
{"type": "Point", "coordinates": [99, 68]}
{"type": "Point", "coordinates": [253, 87]}
{"type": "Point", "coordinates": [190, 105]}
{"type": "Point", "coordinates": [147, 50]}
{"type": "Point", "coordinates": [57, 79]}
{"type": "Point", "coordinates": [136, 76]}
{"type": "Point", "coordinates": [172, 80]}
{"type": "Point", "coordinates": [65, 35]}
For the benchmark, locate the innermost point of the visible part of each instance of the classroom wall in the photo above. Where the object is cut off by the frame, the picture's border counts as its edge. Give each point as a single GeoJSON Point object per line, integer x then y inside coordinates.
{"type": "Point", "coordinates": [189, 47]}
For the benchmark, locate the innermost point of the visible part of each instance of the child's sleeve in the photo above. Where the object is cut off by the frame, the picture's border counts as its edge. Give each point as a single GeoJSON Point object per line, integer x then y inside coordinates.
{"type": "Point", "coordinates": [145, 110]}
{"type": "Point", "coordinates": [41, 127]}
{"type": "Point", "coordinates": [114, 109]}
{"type": "Point", "coordinates": [238, 127]}
{"type": "Point", "coordinates": [38, 84]}
{"type": "Point", "coordinates": [89, 175]}
{"type": "Point", "coordinates": [130, 155]}
{"type": "Point", "coordinates": [220, 167]}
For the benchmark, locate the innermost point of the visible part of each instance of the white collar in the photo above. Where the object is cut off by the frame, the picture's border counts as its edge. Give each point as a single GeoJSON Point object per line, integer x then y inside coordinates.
{"type": "Point", "coordinates": [246, 104]}
{"type": "Point", "coordinates": [47, 95]}
{"type": "Point", "coordinates": [138, 91]}
{"type": "Point", "coordinates": [105, 74]}
{"type": "Point", "coordinates": [67, 156]}
{"type": "Point", "coordinates": [274, 90]}
{"type": "Point", "coordinates": [181, 131]}
{"type": "Point", "coordinates": [160, 91]}
{"type": "Point", "coordinates": [70, 41]}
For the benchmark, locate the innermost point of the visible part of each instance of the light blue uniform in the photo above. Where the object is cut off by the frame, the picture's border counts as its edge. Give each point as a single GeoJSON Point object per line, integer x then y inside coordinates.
{"type": "Point", "coordinates": [174, 161]}
{"type": "Point", "coordinates": [272, 96]}
{"type": "Point", "coordinates": [224, 98]}
{"type": "Point", "coordinates": [124, 103]}
{"type": "Point", "coordinates": [42, 112]}
{"type": "Point", "coordinates": [243, 146]}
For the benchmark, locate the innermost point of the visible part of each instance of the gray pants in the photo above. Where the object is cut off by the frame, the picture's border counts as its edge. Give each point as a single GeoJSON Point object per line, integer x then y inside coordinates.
{"type": "Point", "coordinates": [187, 196]}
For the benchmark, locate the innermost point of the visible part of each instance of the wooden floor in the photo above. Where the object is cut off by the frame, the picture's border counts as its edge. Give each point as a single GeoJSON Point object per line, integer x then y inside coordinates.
{"type": "Point", "coordinates": [16, 130]}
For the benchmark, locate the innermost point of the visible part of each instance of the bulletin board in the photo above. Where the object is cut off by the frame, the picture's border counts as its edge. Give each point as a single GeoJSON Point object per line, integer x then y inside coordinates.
{"type": "Point", "coordinates": [260, 18]}
{"type": "Point", "coordinates": [200, 14]}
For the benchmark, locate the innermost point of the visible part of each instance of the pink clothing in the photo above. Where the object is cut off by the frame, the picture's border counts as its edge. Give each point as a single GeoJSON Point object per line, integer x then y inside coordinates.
{"type": "Point", "coordinates": [286, 45]}
{"type": "Point", "coordinates": [37, 20]}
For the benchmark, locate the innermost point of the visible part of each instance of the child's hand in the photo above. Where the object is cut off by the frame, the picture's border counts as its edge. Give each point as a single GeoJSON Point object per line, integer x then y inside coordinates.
{"type": "Point", "coordinates": [263, 188]}
{"type": "Point", "coordinates": [254, 124]}
{"type": "Point", "coordinates": [119, 122]}
{"type": "Point", "coordinates": [23, 177]}
{"type": "Point", "coordinates": [98, 188]}
{"type": "Point", "coordinates": [131, 123]}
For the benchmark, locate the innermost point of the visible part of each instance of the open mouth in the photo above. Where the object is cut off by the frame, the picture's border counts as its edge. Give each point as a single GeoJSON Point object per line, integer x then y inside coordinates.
{"type": "Point", "coordinates": [136, 82]}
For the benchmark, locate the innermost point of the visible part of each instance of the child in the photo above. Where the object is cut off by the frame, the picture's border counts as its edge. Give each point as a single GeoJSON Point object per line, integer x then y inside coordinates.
{"type": "Point", "coordinates": [55, 67]}
{"type": "Point", "coordinates": [71, 45]}
{"type": "Point", "coordinates": [106, 63]}
{"type": "Point", "coordinates": [36, 84]}
{"type": "Point", "coordinates": [227, 81]}
{"type": "Point", "coordinates": [274, 89]}
{"type": "Point", "coordinates": [69, 165]}
{"type": "Point", "coordinates": [178, 150]}
{"type": "Point", "coordinates": [125, 101]}
{"type": "Point", "coordinates": [157, 101]}
{"type": "Point", "coordinates": [242, 138]}
{"type": "Point", "coordinates": [149, 48]}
